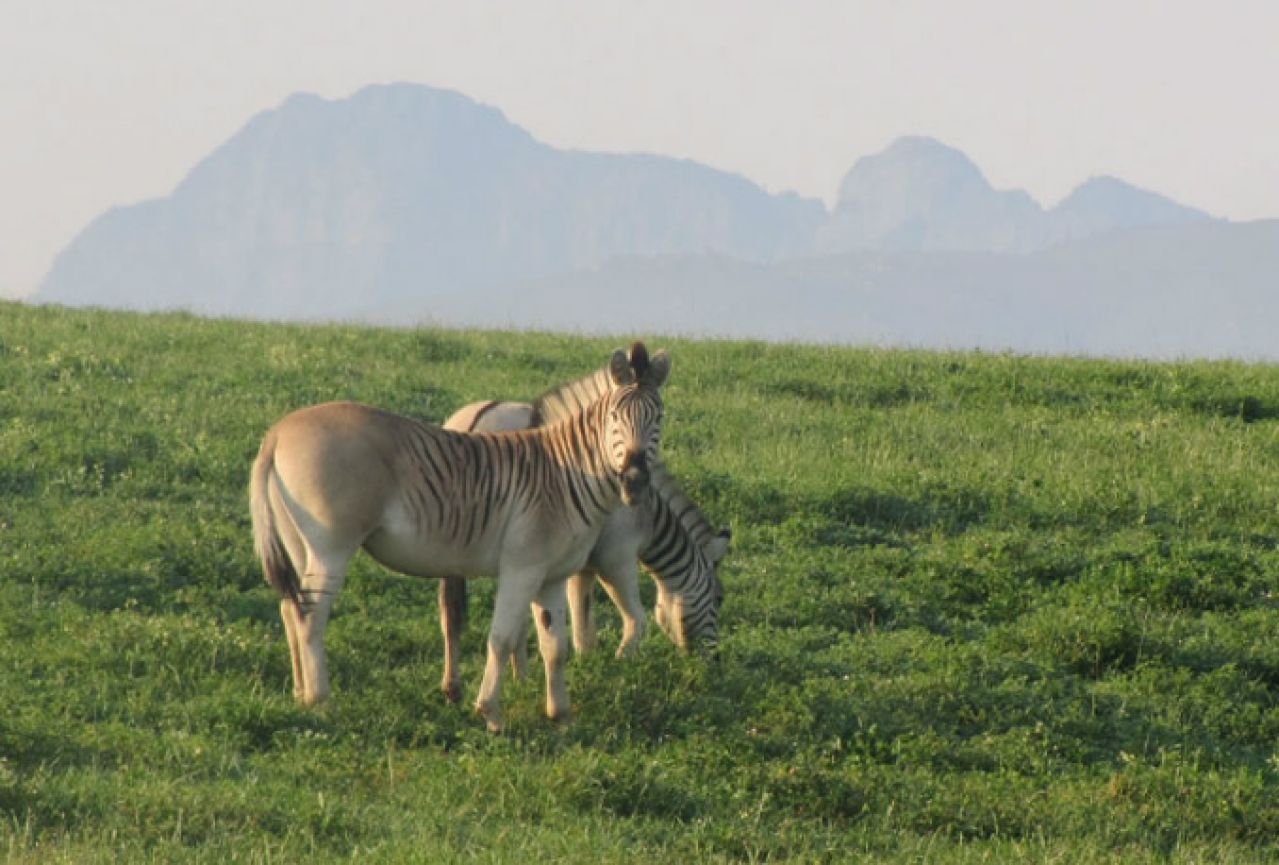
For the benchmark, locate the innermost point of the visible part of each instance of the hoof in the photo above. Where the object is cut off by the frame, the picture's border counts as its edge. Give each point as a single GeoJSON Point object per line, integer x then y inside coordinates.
{"type": "Point", "coordinates": [492, 719]}
{"type": "Point", "coordinates": [452, 692]}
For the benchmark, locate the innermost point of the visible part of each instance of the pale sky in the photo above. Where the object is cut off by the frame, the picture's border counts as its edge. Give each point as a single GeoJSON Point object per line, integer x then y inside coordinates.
{"type": "Point", "coordinates": [108, 103]}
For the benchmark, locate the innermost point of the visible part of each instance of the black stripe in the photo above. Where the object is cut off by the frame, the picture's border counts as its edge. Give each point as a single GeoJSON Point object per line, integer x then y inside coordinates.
{"type": "Point", "coordinates": [571, 483]}
{"type": "Point", "coordinates": [421, 447]}
{"type": "Point", "coordinates": [488, 407]}
{"type": "Point", "coordinates": [662, 545]}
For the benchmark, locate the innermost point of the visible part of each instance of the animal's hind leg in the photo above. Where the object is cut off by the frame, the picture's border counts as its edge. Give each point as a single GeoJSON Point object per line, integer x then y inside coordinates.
{"type": "Point", "coordinates": [319, 590]}
{"type": "Point", "coordinates": [453, 608]}
{"type": "Point", "coordinates": [321, 557]}
{"type": "Point", "coordinates": [290, 611]}
{"type": "Point", "coordinates": [290, 614]}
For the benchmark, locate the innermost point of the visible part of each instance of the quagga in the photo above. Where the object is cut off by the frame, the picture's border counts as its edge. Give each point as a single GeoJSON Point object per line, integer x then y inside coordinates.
{"type": "Point", "coordinates": [527, 506]}
{"type": "Point", "coordinates": [665, 531]}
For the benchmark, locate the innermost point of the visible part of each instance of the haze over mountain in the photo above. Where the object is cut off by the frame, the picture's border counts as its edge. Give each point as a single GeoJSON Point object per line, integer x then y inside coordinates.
{"type": "Point", "coordinates": [920, 195]}
{"type": "Point", "coordinates": [404, 204]}
{"type": "Point", "coordinates": [322, 209]}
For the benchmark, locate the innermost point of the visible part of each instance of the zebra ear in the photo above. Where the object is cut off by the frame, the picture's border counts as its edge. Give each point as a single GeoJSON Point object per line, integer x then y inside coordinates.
{"type": "Point", "coordinates": [659, 369]}
{"type": "Point", "coordinates": [639, 358]}
{"type": "Point", "coordinates": [620, 370]}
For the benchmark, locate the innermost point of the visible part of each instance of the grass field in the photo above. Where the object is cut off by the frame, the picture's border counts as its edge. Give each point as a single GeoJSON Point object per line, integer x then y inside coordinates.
{"type": "Point", "coordinates": [979, 608]}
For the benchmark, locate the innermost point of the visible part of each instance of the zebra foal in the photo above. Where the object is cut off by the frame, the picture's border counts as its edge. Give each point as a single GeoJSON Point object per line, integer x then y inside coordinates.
{"type": "Point", "coordinates": [527, 506]}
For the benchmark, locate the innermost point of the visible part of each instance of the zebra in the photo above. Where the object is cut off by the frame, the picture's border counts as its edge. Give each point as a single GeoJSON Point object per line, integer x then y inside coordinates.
{"type": "Point", "coordinates": [527, 506]}
{"type": "Point", "coordinates": [665, 530]}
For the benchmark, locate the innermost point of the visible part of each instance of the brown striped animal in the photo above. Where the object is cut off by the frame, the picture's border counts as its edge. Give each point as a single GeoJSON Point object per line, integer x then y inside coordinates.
{"type": "Point", "coordinates": [525, 506]}
{"type": "Point", "coordinates": [664, 530]}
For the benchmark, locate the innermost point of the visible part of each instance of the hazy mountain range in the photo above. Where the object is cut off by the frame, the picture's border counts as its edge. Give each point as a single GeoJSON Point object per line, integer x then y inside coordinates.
{"type": "Point", "coordinates": [404, 204]}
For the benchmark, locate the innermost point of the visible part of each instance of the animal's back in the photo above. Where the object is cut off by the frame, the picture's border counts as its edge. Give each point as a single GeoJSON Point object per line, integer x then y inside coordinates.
{"type": "Point", "coordinates": [336, 464]}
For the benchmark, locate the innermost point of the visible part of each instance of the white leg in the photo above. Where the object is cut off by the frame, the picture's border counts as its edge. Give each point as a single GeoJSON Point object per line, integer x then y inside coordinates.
{"type": "Point", "coordinates": [519, 657]}
{"type": "Point", "coordinates": [318, 594]}
{"type": "Point", "coordinates": [551, 615]}
{"type": "Point", "coordinates": [621, 581]}
{"type": "Point", "coordinates": [581, 592]}
{"type": "Point", "coordinates": [515, 591]}
{"type": "Point", "coordinates": [290, 615]}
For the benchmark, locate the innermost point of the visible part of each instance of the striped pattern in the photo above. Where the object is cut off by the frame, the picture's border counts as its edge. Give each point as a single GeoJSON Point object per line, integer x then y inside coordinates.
{"type": "Point", "coordinates": [526, 506]}
{"type": "Point", "coordinates": [683, 555]}
{"type": "Point", "coordinates": [666, 531]}
{"type": "Point", "coordinates": [461, 479]}
{"type": "Point", "coordinates": [683, 551]}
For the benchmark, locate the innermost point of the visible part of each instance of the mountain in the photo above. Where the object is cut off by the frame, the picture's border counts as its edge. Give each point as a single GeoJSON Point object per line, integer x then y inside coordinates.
{"type": "Point", "coordinates": [1107, 204]}
{"type": "Point", "coordinates": [348, 208]}
{"type": "Point", "coordinates": [921, 195]}
{"type": "Point", "coordinates": [1201, 289]}
{"type": "Point", "coordinates": [404, 204]}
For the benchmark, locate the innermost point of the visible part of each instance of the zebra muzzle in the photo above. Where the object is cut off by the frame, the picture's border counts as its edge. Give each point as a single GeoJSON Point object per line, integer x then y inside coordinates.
{"type": "Point", "coordinates": [635, 478]}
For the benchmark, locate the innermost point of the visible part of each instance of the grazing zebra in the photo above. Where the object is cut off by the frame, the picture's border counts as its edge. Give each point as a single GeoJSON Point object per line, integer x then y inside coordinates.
{"type": "Point", "coordinates": [665, 530]}
{"type": "Point", "coordinates": [526, 506]}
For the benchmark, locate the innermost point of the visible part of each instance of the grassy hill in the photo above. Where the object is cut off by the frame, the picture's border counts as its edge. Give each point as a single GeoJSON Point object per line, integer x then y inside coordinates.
{"type": "Point", "coordinates": [980, 607]}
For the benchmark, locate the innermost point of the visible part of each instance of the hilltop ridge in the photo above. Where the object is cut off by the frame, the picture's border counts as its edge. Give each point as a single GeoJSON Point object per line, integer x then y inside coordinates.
{"type": "Point", "coordinates": [404, 203]}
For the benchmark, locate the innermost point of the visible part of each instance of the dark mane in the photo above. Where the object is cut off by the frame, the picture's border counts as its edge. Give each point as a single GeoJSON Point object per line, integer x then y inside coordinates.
{"type": "Point", "coordinates": [570, 399]}
{"type": "Point", "coordinates": [691, 519]}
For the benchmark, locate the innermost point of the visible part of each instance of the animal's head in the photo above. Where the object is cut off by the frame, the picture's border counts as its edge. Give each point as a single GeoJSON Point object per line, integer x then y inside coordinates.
{"type": "Point", "coordinates": [691, 618]}
{"type": "Point", "coordinates": [634, 416]}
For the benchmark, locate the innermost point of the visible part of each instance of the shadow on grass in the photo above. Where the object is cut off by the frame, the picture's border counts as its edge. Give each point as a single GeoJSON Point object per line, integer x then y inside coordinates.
{"type": "Point", "coordinates": [855, 515]}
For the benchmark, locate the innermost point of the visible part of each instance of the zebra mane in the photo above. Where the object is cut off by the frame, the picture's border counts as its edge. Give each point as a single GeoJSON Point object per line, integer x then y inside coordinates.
{"type": "Point", "coordinates": [570, 399]}
{"type": "Point", "coordinates": [669, 493]}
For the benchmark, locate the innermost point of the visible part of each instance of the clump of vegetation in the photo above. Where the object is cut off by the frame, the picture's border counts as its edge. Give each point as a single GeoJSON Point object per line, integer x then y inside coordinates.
{"type": "Point", "coordinates": [979, 608]}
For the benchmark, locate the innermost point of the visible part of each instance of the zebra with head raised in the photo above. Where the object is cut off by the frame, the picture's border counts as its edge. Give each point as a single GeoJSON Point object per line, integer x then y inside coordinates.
{"type": "Point", "coordinates": [527, 506]}
{"type": "Point", "coordinates": [664, 530]}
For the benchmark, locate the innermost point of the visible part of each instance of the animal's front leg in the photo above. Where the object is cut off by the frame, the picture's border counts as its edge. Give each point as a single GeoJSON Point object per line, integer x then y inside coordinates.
{"type": "Point", "coordinates": [515, 591]}
{"type": "Point", "coordinates": [550, 611]}
{"type": "Point", "coordinates": [519, 658]}
{"type": "Point", "coordinates": [621, 580]}
{"type": "Point", "coordinates": [581, 590]}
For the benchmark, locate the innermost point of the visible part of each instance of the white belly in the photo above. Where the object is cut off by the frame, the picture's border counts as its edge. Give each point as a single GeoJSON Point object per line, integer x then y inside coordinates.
{"type": "Point", "coordinates": [400, 544]}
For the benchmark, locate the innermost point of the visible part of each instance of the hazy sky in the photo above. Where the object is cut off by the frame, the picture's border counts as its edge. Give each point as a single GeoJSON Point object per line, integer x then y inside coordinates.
{"type": "Point", "coordinates": [105, 103]}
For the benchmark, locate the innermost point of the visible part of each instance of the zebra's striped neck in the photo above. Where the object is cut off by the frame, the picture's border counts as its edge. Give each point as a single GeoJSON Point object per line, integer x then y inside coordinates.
{"type": "Point", "coordinates": [571, 399]}
{"type": "Point", "coordinates": [578, 452]}
{"type": "Point", "coordinates": [674, 554]}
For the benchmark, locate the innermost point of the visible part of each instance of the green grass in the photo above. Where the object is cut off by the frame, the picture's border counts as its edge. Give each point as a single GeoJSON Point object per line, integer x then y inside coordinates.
{"type": "Point", "coordinates": [979, 608]}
